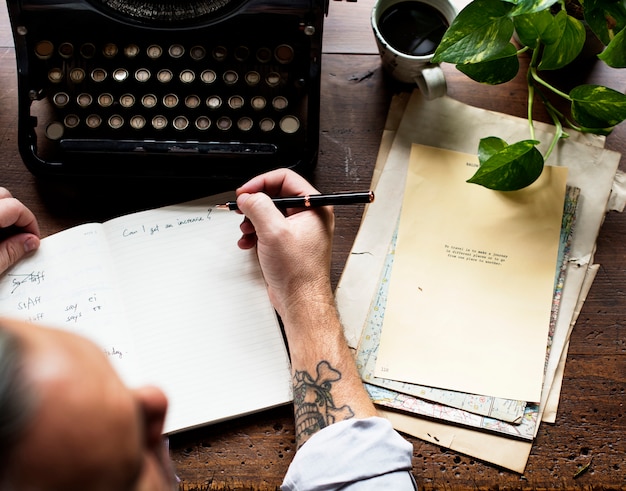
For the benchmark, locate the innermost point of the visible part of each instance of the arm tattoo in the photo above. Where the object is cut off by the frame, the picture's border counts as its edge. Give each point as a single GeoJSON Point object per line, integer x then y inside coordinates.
{"type": "Point", "coordinates": [313, 403]}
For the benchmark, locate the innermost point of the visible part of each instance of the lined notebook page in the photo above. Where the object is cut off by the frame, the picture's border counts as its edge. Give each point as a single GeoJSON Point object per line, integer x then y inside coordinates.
{"type": "Point", "coordinates": [204, 329]}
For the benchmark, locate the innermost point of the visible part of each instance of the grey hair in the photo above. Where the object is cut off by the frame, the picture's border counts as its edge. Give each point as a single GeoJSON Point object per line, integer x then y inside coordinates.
{"type": "Point", "coordinates": [15, 404]}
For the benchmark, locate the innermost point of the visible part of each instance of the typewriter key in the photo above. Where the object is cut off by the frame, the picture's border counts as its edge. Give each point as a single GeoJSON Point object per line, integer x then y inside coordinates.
{"type": "Point", "coordinates": [120, 74]}
{"type": "Point", "coordinates": [220, 53]}
{"type": "Point", "coordinates": [187, 76]}
{"type": "Point", "coordinates": [279, 103]}
{"type": "Point", "coordinates": [164, 76]}
{"type": "Point", "coordinates": [208, 76]}
{"type": "Point", "coordinates": [176, 51]}
{"type": "Point", "coordinates": [214, 102]}
{"type": "Point", "coordinates": [137, 122]}
{"type": "Point", "coordinates": [235, 102]}
{"type": "Point", "coordinates": [55, 75]}
{"type": "Point", "coordinates": [258, 102]}
{"type": "Point", "coordinates": [224, 123]}
{"type": "Point", "coordinates": [154, 51]}
{"type": "Point", "coordinates": [159, 122]}
{"type": "Point", "coordinates": [93, 121]}
{"type": "Point", "coordinates": [98, 75]}
{"type": "Point", "coordinates": [127, 100]}
{"type": "Point", "coordinates": [87, 50]}
{"type": "Point", "coordinates": [284, 54]}
{"type": "Point", "coordinates": [230, 77]}
{"type": "Point", "coordinates": [77, 75]}
{"type": "Point", "coordinates": [105, 100]}
{"type": "Point", "coordinates": [245, 124]}
{"type": "Point", "coordinates": [253, 78]}
{"type": "Point", "coordinates": [192, 101]}
{"type": "Point", "coordinates": [116, 121]}
{"type": "Point", "coordinates": [264, 55]}
{"type": "Point", "coordinates": [197, 52]}
{"type": "Point", "coordinates": [170, 100]}
{"type": "Point", "coordinates": [266, 124]}
{"type": "Point", "coordinates": [203, 123]}
{"type": "Point", "coordinates": [289, 124]}
{"type": "Point", "coordinates": [180, 123]}
{"type": "Point", "coordinates": [61, 99]}
{"type": "Point", "coordinates": [131, 51]}
{"type": "Point", "coordinates": [71, 121]}
{"type": "Point", "coordinates": [242, 53]}
{"type": "Point", "coordinates": [142, 75]}
{"type": "Point", "coordinates": [54, 131]}
{"type": "Point", "coordinates": [66, 50]}
{"type": "Point", "coordinates": [109, 50]}
{"type": "Point", "coordinates": [84, 99]}
{"type": "Point", "coordinates": [272, 79]}
{"type": "Point", "coordinates": [44, 50]}
{"type": "Point", "coordinates": [149, 100]}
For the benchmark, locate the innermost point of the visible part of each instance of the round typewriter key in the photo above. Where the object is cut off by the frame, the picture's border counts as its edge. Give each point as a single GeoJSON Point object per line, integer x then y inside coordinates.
{"type": "Point", "coordinates": [84, 99]}
{"type": "Point", "coordinates": [289, 124]}
{"type": "Point", "coordinates": [131, 51]}
{"type": "Point", "coordinates": [242, 53]}
{"type": "Point", "coordinates": [71, 121]}
{"type": "Point", "coordinates": [220, 53]}
{"type": "Point", "coordinates": [203, 123]}
{"type": "Point", "coordinates": [77, 75]}
{"type": "Point", "coordinates": [197, 52]}
{"type": "Point", "coordinates": [170, 100]}
{"type": "Point", "coordinates": [154, 51]}
{"type": "Point", "coordinates": [21, 30]}
{"type": "Point", "coordinates": [66, 50]}
{"type": "Point", "coordinates": [224, 123]}
{"type": "Point", "coordinates": [98, 75]}
{"type": "Point", "coordinates": [272, 79]}
{"type": "Point", "coordinates": [258, 102]}
{"type": "Point", "coordinates": [208, 76]}
{"type": "Point", "coordinates": [127, 100]}
{"type": "Point", "coordinates": [180, 123]}
{"type": "Point", "coordinates": [109, 50]}
{"type": "Point", "coordinates": [159, 122]}
{"type": "Point", "coordinates": [142, 75]}
{"type": "Point", "coordinates": [165, 76]}
{"type": "Point", "coordinates": [235, 102]}
{"type": "Point", "coordinates": [264, 55]}
{"type": "Point", "coordinates": [245, 124]}
{"type": "Point", "coordinates": [116, 121]}
{"type": "Point", "coordinates": [187, 76]}
{"type": "Point", "coordinates": [105, 100]}
{"type": "Point", "coordinates": [149, 100]}
{"type": "Point", "coordinates": [279, 103]}
{"type": "Point", "coordinates": [253, 78]}
{"type": "Point", "coordinates": [93, 121]}
{"type": "Point", "coordinates": [176, 51]}
{"type": "Point", "coordinates": [192, 101]}
{"type": "Point", "coordinates": [44, 49]}
{"type": "Point", "coordinates": [214, 101]}
{"type": "Point", "coordinates": [284, 54]}
{"type": "Point", "coordinates": [120, 74]}
{"type": "Point", "coordinates": [266, 124]}
{"type": "Point", "coordinates": [61, 99]}
{"type": "Point", "coordinates": [55, 75]}
{"type": "Point", "coordinates": [54, 131]}
{"type": "Point", "coordinates": [87, 50]}
{"type": "Point", "coordinates": [137, 122]}
{"type": "Point", "coordinates": [230, 77]}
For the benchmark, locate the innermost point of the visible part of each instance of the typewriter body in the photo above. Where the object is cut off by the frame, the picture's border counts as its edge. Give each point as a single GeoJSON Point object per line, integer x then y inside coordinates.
{"type": "Point", "coordinates": [217, 89]}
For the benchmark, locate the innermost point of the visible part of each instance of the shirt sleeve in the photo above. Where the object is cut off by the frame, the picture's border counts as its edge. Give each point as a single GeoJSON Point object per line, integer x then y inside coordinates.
{"type": "Point", "coordinates": [353, 455]}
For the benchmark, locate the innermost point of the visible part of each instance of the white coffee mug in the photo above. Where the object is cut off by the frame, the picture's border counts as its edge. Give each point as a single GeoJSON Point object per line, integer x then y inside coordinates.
{"type": "Point", "coordinates": [408, 68]}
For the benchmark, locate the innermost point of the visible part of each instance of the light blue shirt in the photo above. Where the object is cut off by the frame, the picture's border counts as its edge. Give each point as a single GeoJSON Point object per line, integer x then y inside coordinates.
{"type": "Point", "coordinates": [353, 455]}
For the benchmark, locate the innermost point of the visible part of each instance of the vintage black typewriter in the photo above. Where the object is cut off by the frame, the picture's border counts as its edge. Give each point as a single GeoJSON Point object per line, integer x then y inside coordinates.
{"type": "Point", "coordinates": [219, 89]}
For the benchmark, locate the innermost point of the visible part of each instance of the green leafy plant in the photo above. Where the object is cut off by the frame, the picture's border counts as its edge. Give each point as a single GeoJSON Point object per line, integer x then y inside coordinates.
{"type": "Point", "coordinates": [480, 42]}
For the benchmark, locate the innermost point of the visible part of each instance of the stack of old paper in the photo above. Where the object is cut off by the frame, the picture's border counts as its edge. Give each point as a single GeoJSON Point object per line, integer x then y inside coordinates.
{"type": "Point", "coordinates": [424, 293]}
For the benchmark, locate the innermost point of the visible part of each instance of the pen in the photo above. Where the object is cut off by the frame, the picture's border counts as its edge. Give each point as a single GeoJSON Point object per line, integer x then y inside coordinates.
{"type": "Point", "coordinates": [313, 200]}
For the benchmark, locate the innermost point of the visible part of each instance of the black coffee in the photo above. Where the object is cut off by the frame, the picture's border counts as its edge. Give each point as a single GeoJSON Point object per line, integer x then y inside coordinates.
{"type": "Point", "coordinates": [413, 28]}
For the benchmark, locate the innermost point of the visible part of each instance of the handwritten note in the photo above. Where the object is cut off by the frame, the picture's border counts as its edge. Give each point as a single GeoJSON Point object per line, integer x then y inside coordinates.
{"type": "Point", "coordinates": [172, 300]}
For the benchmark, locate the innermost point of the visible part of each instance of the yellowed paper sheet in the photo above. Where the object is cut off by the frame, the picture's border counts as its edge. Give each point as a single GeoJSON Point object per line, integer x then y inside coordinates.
{"type": "Point", "coordinates": [471, 290]}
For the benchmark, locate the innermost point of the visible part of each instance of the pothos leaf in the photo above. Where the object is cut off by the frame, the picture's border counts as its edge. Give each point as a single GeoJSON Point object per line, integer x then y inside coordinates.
{"type": "Point", "coordinates": [595, 106]}
{"type": "Point", "coordinates": [538, 27]}
{"type": "Point", "coordinates": [490, 146]}
{"type": "Point", "coordinates": [614, 54]}
{"type": "Point", "coordinates": [568, 45]}
{"type": "Point", "coordinates": [494, 71]}
{"type": "Point", "coordinates": [511, 168]}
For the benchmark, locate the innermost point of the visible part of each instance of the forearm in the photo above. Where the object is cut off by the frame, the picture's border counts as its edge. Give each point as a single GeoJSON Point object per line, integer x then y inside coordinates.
{"type": "Point", "coordinates": [327, 386]}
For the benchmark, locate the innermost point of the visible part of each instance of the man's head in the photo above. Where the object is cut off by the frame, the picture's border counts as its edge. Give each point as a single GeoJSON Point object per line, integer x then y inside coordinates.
{"type": "Point", "coordinates": [70, 422]}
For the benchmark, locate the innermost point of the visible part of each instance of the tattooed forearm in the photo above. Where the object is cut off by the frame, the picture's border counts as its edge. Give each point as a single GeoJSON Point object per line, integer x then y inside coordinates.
{"type": "Point", "coordinates": [313, 402]}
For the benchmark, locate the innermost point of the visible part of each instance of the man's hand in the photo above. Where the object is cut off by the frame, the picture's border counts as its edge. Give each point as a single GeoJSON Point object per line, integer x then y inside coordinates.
{"type": "Point", "coordinates": [19, 231]}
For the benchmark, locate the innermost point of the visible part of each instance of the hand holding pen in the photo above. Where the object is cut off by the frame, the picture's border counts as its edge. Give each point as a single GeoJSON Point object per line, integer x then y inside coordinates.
{"type": "Point", "coordinates": [313, 200]}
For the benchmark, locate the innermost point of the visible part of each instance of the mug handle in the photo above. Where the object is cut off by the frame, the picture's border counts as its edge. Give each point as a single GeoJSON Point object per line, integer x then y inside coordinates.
{"type": "Point", "coordinates": [432, 82]}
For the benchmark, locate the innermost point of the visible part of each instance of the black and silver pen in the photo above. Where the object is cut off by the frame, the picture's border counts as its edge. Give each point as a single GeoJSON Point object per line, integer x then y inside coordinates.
{"type": "Point", "coordinates": [314, 200]}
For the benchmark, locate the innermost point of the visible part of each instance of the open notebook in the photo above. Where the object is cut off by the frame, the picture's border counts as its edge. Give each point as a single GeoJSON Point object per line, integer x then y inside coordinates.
{"type": "Point", "coordinates": [172, 300]}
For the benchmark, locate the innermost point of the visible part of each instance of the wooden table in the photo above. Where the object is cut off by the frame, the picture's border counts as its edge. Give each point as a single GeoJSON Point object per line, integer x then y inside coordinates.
{"type": "Point", "coordinates": [254, 452]}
